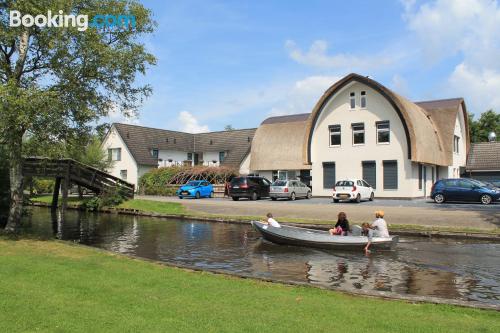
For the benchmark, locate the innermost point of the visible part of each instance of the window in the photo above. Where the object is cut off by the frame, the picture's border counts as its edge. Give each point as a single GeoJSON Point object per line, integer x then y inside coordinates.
{"type": "Point", "coordinates": [334, 135]}
{"type": "Point", "coordinates": [328, 174]}
{"type": "Point", "coordinates": [383, 132]}
{"type": "Point", "coordinates": [222, 155]}
{"type": "Point", "coordinates": [189, 156]}
{"type": "Point", "coordinates": [352, 99]}
{"type": "Point", "coordinates": [363, 99]}
{"type": "Point", "coordinates": [419, 176]}
{"type": "Point", "coordinates": [114, 154]}
{"type": "Point", "coordinates": [390, 175]}
{"type": "Point", "coordinates": [370, 172]}
{"type": "Point", "coordinates": [358, 133]}
{"type": "Point", "coordinates": [456, 144]}
{"type": "Point", "coordinates": [211, 142]}
{"type": "Point", "coordinates": [154, 153]}
{"type": "Point", "coordinates": [123, 174]}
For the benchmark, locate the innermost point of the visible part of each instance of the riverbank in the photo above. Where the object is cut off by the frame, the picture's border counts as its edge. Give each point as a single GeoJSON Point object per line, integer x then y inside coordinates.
{"type": "Point", "coordinates": [168, 209]}
{"type": "Point", "coordinates": [56, 286]}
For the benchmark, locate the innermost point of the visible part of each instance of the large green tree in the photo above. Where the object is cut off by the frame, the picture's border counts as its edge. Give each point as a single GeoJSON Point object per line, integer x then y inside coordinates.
{"type": "Point", "coordinates": [55, 80]}
{"type": "Point", "coordinates": [488, 122]}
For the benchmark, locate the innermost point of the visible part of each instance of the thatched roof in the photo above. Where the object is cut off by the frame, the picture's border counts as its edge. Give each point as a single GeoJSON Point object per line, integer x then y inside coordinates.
{"type": "Point", "coordinates": [278, 144]}
{"type": "Point", "coordinates": [425, 126]}
{"type": "Point", "coordinates": [140, 140]}
{"type": "Point", "coordinates": [484, 156]}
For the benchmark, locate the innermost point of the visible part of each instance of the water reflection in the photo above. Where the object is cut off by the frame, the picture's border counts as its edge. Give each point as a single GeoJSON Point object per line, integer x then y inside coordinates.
{"type": "Point", "coordinates": [447, 269]}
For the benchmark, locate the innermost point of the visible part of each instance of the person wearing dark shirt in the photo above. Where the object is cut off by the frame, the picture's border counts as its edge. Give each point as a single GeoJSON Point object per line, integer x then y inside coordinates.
{"type": "Point", "coordinates": [342, 225]}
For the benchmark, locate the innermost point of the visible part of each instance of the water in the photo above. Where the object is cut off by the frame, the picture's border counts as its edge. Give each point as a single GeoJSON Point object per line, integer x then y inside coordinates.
{"type": "Point", "coordinates": [460, 270]}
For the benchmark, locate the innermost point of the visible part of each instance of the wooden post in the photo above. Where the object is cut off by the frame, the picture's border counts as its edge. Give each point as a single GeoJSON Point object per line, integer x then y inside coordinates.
{"type": "Point", "coordinates": [55, 195]}
{"type": "Point", "coordinates": [65, 188]}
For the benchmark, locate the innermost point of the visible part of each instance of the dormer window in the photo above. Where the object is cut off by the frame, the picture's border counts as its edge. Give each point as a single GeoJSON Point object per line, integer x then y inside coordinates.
{"type": "Point", "coordinates": [211, 142]}
{"type": "Point", "coordinates": [363, 99]}
{"type": "Point", "coordinates": [154, 153]}
{"type": "Point", "coordinates": [352, 100]}
{"type": "Point", "coordinates": [166, 140]}
{"type": "Point", "coordinates": [175, 141]}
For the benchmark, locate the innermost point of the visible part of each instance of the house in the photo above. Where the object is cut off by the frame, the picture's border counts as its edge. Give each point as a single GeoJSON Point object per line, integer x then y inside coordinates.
{"type": "Point", "coordinates": [361, 129]}
{"type": "Point", "coordinates": [136, 149]}
{"type": "Point", "coordinates": [483, 162]}
{"type": "Point", "coordinates": [358, 129]}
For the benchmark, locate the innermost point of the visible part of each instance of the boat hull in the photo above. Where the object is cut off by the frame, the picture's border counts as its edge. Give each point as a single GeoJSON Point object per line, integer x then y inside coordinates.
{"type": "Point", "coordinates": [287, 235]}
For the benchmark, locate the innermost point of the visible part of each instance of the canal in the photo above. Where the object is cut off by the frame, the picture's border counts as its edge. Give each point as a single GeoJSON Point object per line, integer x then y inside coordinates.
{"type": "Point", "coordinates": [445, 268]}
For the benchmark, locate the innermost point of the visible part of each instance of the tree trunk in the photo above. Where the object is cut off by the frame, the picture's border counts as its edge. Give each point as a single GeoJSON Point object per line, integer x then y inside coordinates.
{"type": "Point", "coordinates": [16, 184]}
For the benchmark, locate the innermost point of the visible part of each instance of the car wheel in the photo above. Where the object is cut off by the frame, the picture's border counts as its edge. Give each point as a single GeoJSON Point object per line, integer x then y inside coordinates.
{"type": "Point", "coordinates": [197, 195]}
{"type": "Point", "coordinates": [235, 198]}
{"type": "Point", "coordinates": [180, 197]}
{"type": "Point", "coordinates": [486, 199]}
{"type": "Point", "coordinates": [372, 196]}
{"type": "Point", "coordinates": [212, 194]}
{"type": "Point", "coordinates": [254, 196]}
{"type": "Point", "coordinates": [292, 196]}
{"type": "Point", "coordinates": [309, 195]}
{"type": "Point", "coordinates": [358, 198]}
{"type": "Point", "coordinates": [336, 200]}
{"type": "Point", "coordinates": [439, 198]}
{"type": "Point", "coordinates": [274, 199]}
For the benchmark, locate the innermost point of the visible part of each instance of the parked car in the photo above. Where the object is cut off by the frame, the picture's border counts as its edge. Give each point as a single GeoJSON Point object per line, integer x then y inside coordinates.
{"type": "Point", "coordinates": [353, 190]}
{"type": "Point", "coordinates": [495, 183]}
{"type": "Point", "coordinates": [463, 189]}
{"type": "Point", "coordinates": [196, 189]}
{"type": "Point", "coordinates": [289, 189]}
{"type": "Point", "coordinates": [251, 187]}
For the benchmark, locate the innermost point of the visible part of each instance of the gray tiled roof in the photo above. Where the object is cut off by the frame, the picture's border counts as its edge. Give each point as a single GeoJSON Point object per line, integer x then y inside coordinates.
{"type": "Point", "coordinates": [484, 156]}
{"type": "Point", "coordinates": [140, 140]}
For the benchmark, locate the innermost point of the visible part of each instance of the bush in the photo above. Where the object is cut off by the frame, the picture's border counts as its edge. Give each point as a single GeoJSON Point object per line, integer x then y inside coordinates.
{"type": "Point", "coordinates": [43, 186]}
{"type": "Point", "coordinates": [163, 181]}
{"type": "Point", "coordinates": [110, 198]}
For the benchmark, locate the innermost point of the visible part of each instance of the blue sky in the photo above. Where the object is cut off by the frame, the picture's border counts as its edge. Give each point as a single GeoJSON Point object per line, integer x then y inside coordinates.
{"type": "Point", "coordinates": [238, 62]}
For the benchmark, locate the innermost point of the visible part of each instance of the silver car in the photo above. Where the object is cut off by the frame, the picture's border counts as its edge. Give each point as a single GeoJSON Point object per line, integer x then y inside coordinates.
{"type": "Point", "coordinates": [290, 189]}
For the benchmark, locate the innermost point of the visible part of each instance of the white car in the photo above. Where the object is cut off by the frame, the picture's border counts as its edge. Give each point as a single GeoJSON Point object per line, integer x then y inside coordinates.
{"type": "Point", "coordinates": [353, 190]}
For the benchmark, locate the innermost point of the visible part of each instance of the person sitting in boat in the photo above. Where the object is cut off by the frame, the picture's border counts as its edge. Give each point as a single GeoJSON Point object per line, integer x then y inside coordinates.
{"type": "Point", "coordinates": [379, 226]}
{"type": "Point", "coordinates": [342, 225]}
{"type": "Point", "coordinates": [271, 221]}
{"type": "Point", "coordinates": [368, 232]}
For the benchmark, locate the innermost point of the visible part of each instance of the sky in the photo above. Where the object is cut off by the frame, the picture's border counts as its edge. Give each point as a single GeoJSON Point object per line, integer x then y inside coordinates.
{"type": "Point", "coordinates": [238, 62]}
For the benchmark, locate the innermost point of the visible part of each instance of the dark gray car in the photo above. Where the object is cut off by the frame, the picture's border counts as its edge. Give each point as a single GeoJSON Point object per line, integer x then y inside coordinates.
{"type": "Point", "coordinates": [289, 189]}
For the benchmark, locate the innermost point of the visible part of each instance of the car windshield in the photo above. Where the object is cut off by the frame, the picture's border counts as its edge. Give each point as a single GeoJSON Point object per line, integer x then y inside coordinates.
{"type": "Point", "coordinates": [279, 183]}
{"type": "Point", "coordinates": [344, 183]}
{"type": "Point", "coordinates": [238, 181]}
{"type": "Point", "coordinates": [194, 183]}
{"type": "Point", "coordinates": [496, 183]}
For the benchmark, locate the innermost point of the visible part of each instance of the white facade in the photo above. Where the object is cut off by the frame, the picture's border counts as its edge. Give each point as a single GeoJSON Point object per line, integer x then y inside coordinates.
{"type": "Point", "coordinates": [126, 163]}
{"type": "Point", "coordinates": [348, 156]}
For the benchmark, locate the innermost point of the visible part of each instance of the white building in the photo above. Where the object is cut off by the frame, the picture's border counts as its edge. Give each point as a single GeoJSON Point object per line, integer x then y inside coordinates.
{"type": "Point", "coordinates": [361, 129]}
{"type": "Point", "coordinates": [136, 149]}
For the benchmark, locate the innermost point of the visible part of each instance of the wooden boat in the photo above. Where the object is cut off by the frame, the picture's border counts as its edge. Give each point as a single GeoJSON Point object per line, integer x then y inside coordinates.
{"type": "Point", "coordinates": [320, 239]}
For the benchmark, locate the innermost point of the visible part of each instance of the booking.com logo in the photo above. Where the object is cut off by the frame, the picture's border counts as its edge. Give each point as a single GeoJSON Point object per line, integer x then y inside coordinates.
{"type": "Point", "coordinates": [61, 20]}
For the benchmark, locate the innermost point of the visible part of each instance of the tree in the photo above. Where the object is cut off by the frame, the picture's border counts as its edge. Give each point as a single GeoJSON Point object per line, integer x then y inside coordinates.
{"type": "Point", "coordinates": [488, 122]}
{"type": "Point", "coordinates": [57, 80]}
{"type": "Point", "coordinates": [229, 128]}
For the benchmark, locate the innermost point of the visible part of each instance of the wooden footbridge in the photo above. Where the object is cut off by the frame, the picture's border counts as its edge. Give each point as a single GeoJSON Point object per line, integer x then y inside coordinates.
{"type": "Point", "coordinates": [68, 171]}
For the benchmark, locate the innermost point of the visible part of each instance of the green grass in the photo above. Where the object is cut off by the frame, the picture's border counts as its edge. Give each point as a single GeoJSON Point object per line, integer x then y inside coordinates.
{"type": "Point", "coordinates": [58, 287]}
{"type": "Point", "coordinates": [74, 201]}
{"type": "Point", "coordinates": [154, 206]}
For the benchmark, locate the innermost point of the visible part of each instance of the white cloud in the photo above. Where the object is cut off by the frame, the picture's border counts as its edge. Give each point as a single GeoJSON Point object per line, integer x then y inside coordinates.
{"type": "Point", "coordinates": [190, 124]}
{"type": "Point", "coordinates": [116, 115]}
{"type": "Point", "coordinates": [481, 86]}
{"type": "Point", "coordinates": [400, 85]}
{"type": "Point", "coordinates": [303, 95]}
{"type": "Point", "coordinates": [467, 29]}
{"type": "Point", "coordinates": [317, 56]}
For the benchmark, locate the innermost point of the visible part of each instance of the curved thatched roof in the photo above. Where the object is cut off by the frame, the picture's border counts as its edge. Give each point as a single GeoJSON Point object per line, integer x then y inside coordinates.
{"type": "Point", "coordinates": [423, 136]}
{"type": "Point", "coordinates": [277, 144]}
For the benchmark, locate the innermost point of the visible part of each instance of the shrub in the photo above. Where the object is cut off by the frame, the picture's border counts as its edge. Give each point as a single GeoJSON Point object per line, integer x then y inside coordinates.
{"type": "Point", "coordinates": [43, 186]}
{"type": "Point", "coordinates": [110, 198]}
{"type": "Point", "coordinates": [159, 181]}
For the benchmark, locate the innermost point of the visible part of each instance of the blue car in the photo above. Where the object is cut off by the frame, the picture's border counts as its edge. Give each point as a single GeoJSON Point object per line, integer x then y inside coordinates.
{"type": "Point", "coordinates": [196, 189]}
{"type": "Point", "coordinates": [463, 189]}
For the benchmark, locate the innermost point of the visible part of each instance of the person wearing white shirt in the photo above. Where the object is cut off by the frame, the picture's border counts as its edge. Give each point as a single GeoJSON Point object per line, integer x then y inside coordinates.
{"type": "Point", "coordinates": [271, 221]}
{"type": "Point", "coordinates": [379, 226]}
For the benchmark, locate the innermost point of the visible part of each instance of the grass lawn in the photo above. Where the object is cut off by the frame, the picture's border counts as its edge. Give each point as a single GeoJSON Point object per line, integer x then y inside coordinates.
{"type": "Point", "coordinates": [154, 206]}
{"type": "Point", "coordinates": [59, 287]}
